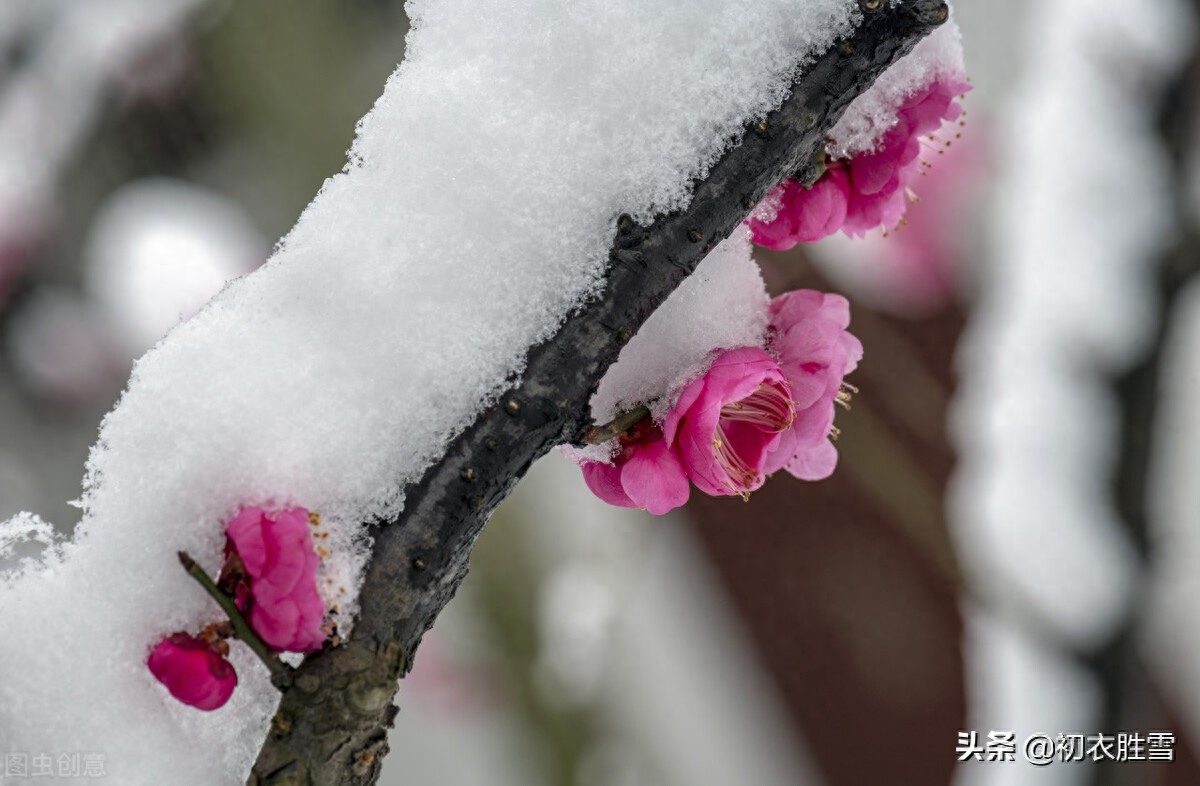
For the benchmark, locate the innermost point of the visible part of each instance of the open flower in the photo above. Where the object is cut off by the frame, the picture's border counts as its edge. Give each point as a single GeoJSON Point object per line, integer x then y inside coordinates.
{"type": "Point", "coordinates": [646, 473]}
{"type": "Point", "coordinates": [272, 567]}
{"type": "Point", "coordinates": [727, 425]}
{"type": "Point", "coordinates": [808, 335]}
{"type": "Point", "coordinates": [193, 670]}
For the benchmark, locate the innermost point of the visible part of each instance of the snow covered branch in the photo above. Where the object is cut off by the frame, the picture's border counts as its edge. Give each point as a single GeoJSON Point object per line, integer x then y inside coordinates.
{"type": "Point", "coordinates": [331, 724]}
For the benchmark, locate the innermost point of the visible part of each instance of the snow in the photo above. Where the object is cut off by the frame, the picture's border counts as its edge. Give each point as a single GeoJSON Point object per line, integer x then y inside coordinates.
{"type": "Point", "coordinates": [31, 539]}
{"type": "Point", "coordinates": [722, 305]}
{"type": "Point", "coordinates": [477, 210]}
{"type": "Point", "coordinates": [870, 115]}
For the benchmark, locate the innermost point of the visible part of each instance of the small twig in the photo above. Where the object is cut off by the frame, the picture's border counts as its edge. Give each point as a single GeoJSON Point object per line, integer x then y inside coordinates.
{"type": "Point", "coordinates": [280, 673]}
{"type": "Point", "coordinates": [615, 427]}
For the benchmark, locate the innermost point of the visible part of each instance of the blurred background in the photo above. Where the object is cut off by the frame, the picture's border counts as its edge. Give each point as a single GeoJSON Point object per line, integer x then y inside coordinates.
{"type": "Point", "coordinates": [1010, 544]}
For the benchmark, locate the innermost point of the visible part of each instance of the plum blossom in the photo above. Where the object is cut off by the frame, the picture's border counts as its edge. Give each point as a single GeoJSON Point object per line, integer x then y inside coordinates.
{"type": "Point", "coordinates": [815, 352]}
{"type": "Point", "coordinates": [728, 424]}
{"type": "Point", "coordinates": [271, 568]}
{"type": "Point", "coordinates": [646, 473]}
{"type": "Point", "coordinates": [870, 189]}
{"type": "Point", "coordinates": [194, 670]}
{"type": "Point", "coordinates": [754, 411]}
{"type": "Point", "coordinates": [805, 215]}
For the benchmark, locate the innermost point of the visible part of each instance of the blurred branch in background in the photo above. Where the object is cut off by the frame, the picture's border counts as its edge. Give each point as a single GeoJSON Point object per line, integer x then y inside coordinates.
{"type": "Point", "coordinates": [1131, 694]}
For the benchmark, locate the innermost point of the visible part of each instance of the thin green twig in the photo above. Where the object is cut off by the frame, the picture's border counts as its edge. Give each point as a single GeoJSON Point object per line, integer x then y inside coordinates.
{"type": "Point", "coordinates": [280, 672]}
{"type": "Point", "coordinates": [618, 425]}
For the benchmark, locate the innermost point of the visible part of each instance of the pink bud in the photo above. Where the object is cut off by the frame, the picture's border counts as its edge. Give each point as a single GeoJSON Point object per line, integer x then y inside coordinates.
{"type": "Point", "coordinates": [193, 671]}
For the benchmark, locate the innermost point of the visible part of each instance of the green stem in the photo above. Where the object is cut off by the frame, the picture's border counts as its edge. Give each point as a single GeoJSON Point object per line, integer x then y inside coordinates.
{"type": "Point", "coordinates": [280, 672]}
{"type": "Point", "coordinates": [618, 425]}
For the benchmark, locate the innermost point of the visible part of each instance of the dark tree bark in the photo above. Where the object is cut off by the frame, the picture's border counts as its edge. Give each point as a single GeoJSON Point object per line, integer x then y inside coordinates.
{"type": "Point", "coordinates": [332, 722]}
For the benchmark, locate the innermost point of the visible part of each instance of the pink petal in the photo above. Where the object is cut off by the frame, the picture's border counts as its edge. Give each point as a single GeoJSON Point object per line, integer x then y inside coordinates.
{"type": "Point", "coordinates": [816, 463]}
{"type": "Point", "coordinates": [812, 424]}
{"type": "Point", "coordinates": [281, 564]}
{"type": "Point", "coordinates": [694, 442]}
{"type": "Point", "coordinates": [792, 307]}
{"type": "Point", "coordinates": [246, 532]}
{"type": "Point", "coordinates": [604, 480]}
{"type": "Point", "coordinates": [818, 212]}
{"type": "Point", "coordinates": [654, 478]}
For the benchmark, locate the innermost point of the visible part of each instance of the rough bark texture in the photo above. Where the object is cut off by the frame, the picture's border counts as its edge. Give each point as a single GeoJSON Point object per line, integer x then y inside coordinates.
{"type": "Point", "coordinates": [332, 722]}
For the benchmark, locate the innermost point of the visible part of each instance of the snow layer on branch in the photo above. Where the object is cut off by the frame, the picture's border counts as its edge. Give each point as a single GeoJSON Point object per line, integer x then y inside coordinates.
{"type": "Point", "coordinates": [870, 115]}
{"type": "Point", "coordinates": [477, 210]}
{"type": "Point", "coordinates": [723, 305]}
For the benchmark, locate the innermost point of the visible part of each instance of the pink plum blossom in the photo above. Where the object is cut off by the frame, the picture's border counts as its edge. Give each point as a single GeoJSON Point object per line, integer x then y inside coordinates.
{"type": "Point", "coordinates": [753, 412]}
{"type": "Point", "coordinates": [815, 352]}
{"type": "Point", "coordinates": [646, 473]}
{"type": "Point", "coordinates": [728, 424]}
{"type": "Point", "coordinates": [805, 214]}
{"type": "Point", "coordinates": [193, 670]}
{"type": "Point", "coordinates": [277, 577]}
{"type": "Point", "coordinates": [869, 189]}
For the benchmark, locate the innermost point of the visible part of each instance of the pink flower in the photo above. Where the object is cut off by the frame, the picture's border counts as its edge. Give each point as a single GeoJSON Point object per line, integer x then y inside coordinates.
{"type": "Point", "coordinates": [805, 214]}
{"type": "Point", "coordinates": [193, 670]}
{"type": "Point", "coordinates": [926, 110]}
{"type": "Point", "coordinates": [880, 179]}
{"type": "Point", "coordinates": [647, 473]}
{"type": "Point", "coordinates": [870, 189]}
{"type": "Point", "coordinates": [808, 335]}
{"type": "Point", "coordinates": [277, 577]}
{"type": "Point", "coordinates": [728, 424]}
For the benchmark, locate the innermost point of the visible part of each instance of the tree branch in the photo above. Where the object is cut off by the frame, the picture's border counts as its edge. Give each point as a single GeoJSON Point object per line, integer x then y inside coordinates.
{"type": "Point", "coordinates": [332, 723]}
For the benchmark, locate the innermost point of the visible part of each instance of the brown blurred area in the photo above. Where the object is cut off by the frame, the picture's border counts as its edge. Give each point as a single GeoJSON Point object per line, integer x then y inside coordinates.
{"type": "Point", "coordinates": [848, 586]}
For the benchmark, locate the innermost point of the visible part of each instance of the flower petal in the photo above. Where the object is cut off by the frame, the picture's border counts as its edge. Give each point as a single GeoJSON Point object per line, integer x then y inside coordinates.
{"type": "Point", "coordinates": [604, 480]}
{"type": "Point", "coordinates": [815, 463]}
{"type": "Point", "coordinates": [654, 478]}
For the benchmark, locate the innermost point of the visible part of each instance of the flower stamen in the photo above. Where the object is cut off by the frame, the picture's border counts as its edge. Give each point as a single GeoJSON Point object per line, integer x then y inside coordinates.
{"type": "Point", "coordinates": [741, 474]}
{"type": "Point", "coordinates": [769, 407]}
